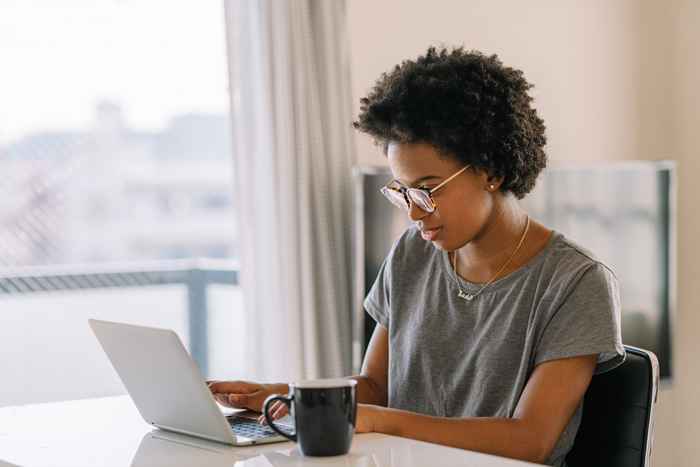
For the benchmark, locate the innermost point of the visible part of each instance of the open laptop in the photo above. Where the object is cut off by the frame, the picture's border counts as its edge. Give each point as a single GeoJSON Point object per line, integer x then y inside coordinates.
{"type": "Point", "coordinates": [168, 389]}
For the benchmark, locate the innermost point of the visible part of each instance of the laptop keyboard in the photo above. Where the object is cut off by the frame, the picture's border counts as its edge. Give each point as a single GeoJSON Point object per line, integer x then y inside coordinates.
{"type": "Point", "coordinates": [253, 430]}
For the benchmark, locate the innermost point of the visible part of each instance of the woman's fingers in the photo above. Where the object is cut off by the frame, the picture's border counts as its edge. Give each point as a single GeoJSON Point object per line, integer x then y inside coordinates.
{"type": "Point", "coordinates": [238, 400]}
{"type": "Point", "coordinates": [229, 400]}
{"type": "Point", "coordinates": [223, 400]}
{"type": "Point", "coordinates": [234, 387]}
{"type": "Point", "coordinates": [277, 410]}
{"type": "Point", "coordinates": [271, 410]}
{"type": "Point", "coordinates": [280, 412]}
{"type": "Point", "coordinates": [240, 394]}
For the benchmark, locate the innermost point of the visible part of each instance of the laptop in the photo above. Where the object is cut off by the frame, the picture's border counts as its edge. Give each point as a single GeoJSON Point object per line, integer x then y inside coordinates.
{"type": "Point", "coordinates": [169, 390]}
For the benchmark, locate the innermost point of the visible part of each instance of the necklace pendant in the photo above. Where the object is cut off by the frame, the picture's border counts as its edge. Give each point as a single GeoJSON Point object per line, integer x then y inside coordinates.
{"type": "Point", "coordinates": [467, 296]}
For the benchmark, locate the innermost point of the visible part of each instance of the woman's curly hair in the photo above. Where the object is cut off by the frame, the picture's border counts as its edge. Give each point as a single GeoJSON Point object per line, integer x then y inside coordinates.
{"type": "Point", "coordinates": [466, 105]}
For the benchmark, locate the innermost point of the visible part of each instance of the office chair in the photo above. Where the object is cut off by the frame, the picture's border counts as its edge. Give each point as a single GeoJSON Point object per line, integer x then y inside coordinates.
{"type": "Point", "coordinates": [618, 415]}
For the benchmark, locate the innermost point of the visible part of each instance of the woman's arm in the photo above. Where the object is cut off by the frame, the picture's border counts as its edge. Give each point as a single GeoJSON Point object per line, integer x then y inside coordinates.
{"type": "Point", "coordinates": [546, 405]}
{"type": "Point", "coordinates": [372, 381]}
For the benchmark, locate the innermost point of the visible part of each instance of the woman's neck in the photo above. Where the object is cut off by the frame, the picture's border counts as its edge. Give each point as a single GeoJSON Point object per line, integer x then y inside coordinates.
{"type": "Point", "coordinates": [493, 245]}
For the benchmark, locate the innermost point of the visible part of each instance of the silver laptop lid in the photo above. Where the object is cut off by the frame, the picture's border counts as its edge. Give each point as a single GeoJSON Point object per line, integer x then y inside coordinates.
{"type": "Point", "coordinates": [162, 380]}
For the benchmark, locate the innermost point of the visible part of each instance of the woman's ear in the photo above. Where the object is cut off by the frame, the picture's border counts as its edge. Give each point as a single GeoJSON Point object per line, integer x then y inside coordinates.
{"type": "Point", "coordinates": [493, 183]}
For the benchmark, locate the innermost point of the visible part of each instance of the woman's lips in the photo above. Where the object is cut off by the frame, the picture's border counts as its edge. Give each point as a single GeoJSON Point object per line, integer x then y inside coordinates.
{"type": "Point", "coordinates": [430, 234]}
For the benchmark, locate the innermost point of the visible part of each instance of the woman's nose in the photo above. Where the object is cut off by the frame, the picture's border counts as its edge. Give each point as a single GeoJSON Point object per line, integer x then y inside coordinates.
{"type": "Point", "coordinates": [415, 213]}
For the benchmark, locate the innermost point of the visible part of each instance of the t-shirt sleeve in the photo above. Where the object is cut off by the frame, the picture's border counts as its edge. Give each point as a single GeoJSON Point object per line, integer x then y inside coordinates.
{"type": "Point", "coordinates": [377, 302]}
{"type": "Point", "coordinates": [586, 322]}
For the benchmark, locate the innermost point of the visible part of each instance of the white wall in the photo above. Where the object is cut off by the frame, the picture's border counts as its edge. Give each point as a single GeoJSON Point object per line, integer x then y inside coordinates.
{"type": "Point", "coordinates": [613, 80]}
{"type": "Point", "coordinates": [582, 57]}
{"type": "Point", "coordinates": [682, 432]}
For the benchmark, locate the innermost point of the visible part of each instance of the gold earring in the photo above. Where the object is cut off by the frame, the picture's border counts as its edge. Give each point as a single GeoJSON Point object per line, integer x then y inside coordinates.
{"type": "Point", "coordinates": [492, 186]}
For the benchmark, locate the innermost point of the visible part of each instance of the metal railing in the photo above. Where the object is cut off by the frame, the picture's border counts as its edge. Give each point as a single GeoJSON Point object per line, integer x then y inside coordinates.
{"type": "Point", "coordinates": [195, 274]}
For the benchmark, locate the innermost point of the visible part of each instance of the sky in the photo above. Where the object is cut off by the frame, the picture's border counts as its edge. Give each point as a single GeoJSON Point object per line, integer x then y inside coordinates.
{"type": "Point", "coordinates": [59, 58]}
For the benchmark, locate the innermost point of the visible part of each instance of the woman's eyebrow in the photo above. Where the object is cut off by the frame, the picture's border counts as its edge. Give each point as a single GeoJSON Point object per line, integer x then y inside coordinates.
{"type": "Point", "coordinates": [427, 177]}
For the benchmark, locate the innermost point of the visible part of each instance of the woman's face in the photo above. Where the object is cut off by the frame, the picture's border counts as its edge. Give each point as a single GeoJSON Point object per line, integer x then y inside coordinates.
{"type": "Point", "coordinates": [463, 204]}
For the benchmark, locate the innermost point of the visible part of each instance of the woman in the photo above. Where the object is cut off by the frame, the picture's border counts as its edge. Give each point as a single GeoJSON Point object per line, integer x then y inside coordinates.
{"type": "Point", "coordinates": [490, 325]}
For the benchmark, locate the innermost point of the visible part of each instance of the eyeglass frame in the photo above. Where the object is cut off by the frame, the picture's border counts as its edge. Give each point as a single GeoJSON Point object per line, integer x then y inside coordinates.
{"type": "Point", "coordinates": [428, 191]}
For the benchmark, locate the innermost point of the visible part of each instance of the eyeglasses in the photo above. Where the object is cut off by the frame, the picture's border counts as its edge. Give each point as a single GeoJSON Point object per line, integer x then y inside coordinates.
{"type": "Point", "coordinates": [402, 196]}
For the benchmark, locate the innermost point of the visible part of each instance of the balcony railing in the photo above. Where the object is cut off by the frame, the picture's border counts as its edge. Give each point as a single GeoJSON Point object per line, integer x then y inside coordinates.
{"type": "Point", "coordinates": [197, 275]}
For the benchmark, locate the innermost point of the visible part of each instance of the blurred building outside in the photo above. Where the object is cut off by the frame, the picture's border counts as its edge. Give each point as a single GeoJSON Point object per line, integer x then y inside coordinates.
{"type": "Point", "coordinates": [115, 193]}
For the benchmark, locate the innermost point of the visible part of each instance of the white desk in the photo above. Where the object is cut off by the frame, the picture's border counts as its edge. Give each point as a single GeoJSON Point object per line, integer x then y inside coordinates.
{"type": "Point", "coordinates": [110, 432]}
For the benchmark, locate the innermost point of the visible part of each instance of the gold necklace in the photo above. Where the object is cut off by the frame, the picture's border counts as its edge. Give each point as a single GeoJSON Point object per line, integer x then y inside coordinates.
{"type": "Point", "coordinates": [469, 297]}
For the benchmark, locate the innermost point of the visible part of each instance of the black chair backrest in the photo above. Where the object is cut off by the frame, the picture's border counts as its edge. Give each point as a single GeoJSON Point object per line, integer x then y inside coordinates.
{"type": "Point", "coordinates": [618, 415]}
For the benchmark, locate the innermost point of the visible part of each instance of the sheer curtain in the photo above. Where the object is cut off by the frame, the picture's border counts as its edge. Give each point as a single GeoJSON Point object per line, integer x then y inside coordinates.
{"type": "Point", "coordinates": [291, 113]}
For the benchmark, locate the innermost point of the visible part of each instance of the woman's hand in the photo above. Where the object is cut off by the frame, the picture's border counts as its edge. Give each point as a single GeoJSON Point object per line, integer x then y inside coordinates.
{"type": "Point", "coordinates": [244, 394]}
{"type": "Point", "coordinates": [277, 411]}
{"type": "Point", "coordinates": [367, 416]}
{"type": "Point", "coordinates": [365, 421]}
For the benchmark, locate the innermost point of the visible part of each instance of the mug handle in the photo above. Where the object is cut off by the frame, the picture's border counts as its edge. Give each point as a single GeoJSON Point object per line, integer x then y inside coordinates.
{"type": "Point", "coordinates": [266, 410]}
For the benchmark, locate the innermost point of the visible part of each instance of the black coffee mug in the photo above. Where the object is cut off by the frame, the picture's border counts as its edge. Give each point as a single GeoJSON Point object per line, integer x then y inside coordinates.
{"type": "Point", "coordinates": [324, 415]}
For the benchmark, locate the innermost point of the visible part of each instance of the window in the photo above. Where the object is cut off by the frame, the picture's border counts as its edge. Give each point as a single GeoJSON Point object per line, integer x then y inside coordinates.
{"type": "Point", "coordinates": [114, 148]}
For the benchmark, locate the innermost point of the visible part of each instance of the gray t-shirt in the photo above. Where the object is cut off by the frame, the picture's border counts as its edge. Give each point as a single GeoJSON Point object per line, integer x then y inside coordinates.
{"type": "Point", "coordinates": [450, 357]}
